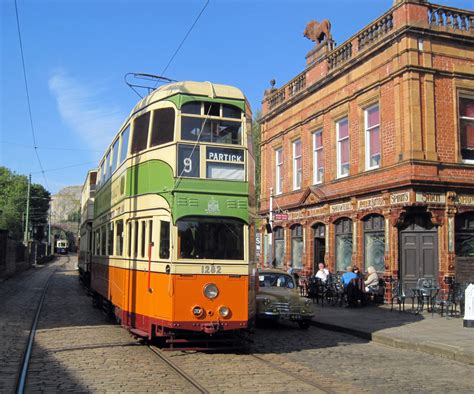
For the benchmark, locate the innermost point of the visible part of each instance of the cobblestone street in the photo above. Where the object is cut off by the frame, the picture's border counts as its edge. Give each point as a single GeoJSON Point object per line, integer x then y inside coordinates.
{"type": "Point", "coordinates": [78, 349]}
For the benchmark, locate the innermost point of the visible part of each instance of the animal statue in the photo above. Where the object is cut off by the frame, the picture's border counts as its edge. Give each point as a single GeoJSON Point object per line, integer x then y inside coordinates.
{"type": "Point", "coordinates": [316, 31]}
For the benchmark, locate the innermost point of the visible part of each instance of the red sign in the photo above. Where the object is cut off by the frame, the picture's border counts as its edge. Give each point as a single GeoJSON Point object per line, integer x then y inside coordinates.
{"type": "Point", "coordinates": [280, 216]}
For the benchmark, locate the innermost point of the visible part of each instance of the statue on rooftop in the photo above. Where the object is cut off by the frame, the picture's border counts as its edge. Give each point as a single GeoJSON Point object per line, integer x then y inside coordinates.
{"type": "Point", "coordinates": [319, 32]}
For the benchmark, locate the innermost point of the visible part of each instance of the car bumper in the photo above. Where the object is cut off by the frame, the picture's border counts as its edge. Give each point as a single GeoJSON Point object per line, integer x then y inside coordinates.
{"type": "Point", "coordinates": [284, 316]}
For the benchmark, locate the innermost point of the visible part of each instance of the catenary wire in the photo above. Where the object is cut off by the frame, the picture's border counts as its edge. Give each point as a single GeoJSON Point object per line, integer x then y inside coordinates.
{"type": "Point", "coordinates": [47, 147]}
{"type": "Point", "coordinates": [28, 95]}
{"type": "Point", "coordinates": [65, 167]}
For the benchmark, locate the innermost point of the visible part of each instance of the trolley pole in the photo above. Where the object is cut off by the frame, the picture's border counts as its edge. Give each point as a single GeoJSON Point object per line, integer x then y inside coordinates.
{"type": "Point", "coordinates": [270, 235]}
{"type": "Point", "coordinates": [27, 219]}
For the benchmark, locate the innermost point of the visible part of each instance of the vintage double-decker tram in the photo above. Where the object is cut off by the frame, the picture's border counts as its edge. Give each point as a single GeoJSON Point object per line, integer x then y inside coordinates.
{"type": "Point", "coordinates": [173, 245]}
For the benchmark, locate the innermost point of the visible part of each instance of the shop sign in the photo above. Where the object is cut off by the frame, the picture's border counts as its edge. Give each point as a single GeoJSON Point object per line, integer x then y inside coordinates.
{"type": "Point", "coordinates": [399, 198]}
{"type": "Point", "coordinates": [280, 216]}
{"type": "Point", "coordinates": [295, 215]}
{"type": "Point", "coordinates": [316, 211]}
{"type": "Point", "coordinates": [433, 198]}
{"type": "Point", "coordinates": [465, 199]}
{"type": "Point", "coordinates": [343, 207]}
{"type": "Point", "coordinates": [370, 203]}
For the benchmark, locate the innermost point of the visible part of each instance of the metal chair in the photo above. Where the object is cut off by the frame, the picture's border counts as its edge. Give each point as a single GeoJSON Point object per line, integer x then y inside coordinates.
{"type": "Point", "coordinates": [399, 294]}
{"type": "Point", "coordinates": [444, 299]}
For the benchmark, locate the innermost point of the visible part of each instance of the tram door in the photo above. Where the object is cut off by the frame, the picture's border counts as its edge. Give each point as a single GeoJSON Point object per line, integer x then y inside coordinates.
{"type": "Point", "coordinates": [319, 245]}
{"type": "Point", "coordinates": [418, 250]}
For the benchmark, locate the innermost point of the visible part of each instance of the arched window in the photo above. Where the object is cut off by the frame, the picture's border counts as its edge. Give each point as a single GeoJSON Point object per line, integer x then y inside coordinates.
{"type": "Point", "coordinates": [279, 240]}
{"type": "Point", "coordinates": [343, 232]}
{"type": "Point", "coordinates": [465, 235]}
{"type": "Point", "coordinates": [374, 242]}
{"type": "Point", "coordinates": [297, 246]}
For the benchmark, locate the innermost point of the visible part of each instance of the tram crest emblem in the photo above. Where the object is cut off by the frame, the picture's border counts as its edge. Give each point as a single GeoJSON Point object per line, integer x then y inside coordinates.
{"type": "Point", "coordinates": [213, 207]}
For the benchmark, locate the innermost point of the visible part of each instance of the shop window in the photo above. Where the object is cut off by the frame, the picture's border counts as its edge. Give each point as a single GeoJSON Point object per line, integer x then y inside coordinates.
{"type": "Point", "coordinates": [342, 131]}
{"type": "Point", "coordinates": [372, 137]}
{"type": "Point", "coordinates": [318, 157]}
{"type": "Point", "coordinates": [297, 246]}
{"type": "Point", "coordinates": [279, 171]}
{"type": "Point", "coordinates": [466, 113]}
{"type": "Point", "coordinates": [319, 239]}
{"type": "Point", "coordinates": [297, 165]}
{"type": "Point", "coordinates": [343, 233]}
{"type": "Point", "coordinates": [140, 133]}
{"type": "Point", "coordinates": [465, 235]}
{"type": "Point", "coordinates": [279, 241]}
{"type": "Point", "coordinates": [162, 130]}
{"type": "Point", "coordinates": [374, 242]}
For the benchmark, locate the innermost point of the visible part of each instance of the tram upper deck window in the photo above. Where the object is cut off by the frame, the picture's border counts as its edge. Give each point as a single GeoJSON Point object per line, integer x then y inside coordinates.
{"type": "Point", "coordinates": [210, 238]}
{"type": "Point", "coordinates": [162, 130]}
{"type": "Point", "coordinates": [229, 111]}
{"type": "Point", "coordinates": [140, 133]}
{"type": "Point", "coordinates": [124, 149]}
{"type": "Point", "coordinates": [115, 154]}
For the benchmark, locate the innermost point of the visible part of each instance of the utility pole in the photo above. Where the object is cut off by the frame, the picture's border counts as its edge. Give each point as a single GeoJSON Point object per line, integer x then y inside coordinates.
{"type": "Point", "coordinates": [49, 230]}
{"type": "Point", "coordinates": [27, 221]}
{"type": "Point", "coordinates": [270, 235]}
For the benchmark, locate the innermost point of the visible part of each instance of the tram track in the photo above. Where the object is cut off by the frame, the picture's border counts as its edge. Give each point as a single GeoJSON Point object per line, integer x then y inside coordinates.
{"type": "Point", "coordinates": [23, 370]}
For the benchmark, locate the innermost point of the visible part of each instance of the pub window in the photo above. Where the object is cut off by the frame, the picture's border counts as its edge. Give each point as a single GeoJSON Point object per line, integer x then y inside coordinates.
{"type": "Point", "coordinates": [343, 233]}
{"type": "Point", "coordinates": [110, 239]}
{"type": "Point", "coordinates": [103, 238]}
{"type": "Point", "coordinates": [297, 246]}
{"type": "Point", "coordinates": [464, 238]}
{"type": "Point", "coordinates": [279, 171]}
{"type": "Point", "coordinates": [342, 131]}
{"type": "Point", "coordinates": [372, 137]}
{"type": "Point", "coordinates": [162, 130]}
{"type": "Point", "coordinates": [466, 114]}
{"type": "Point", "coordinates": [297, 165]}
{"type": "Point", "coordinates": [164, 240]}
{"type": "Point", "coordinates": [279, 241]}
{"type": "Point", "coordinates": [140, 133]}
{"type": "Point", "coordinates": [119, 238]}
{"type": "Point", "coordinates": [318, 157]}
{"type": "Point", "coordinates": [374, 242]}
{"type": "Point", "coordinates": [124, 147]}
{"type": "Point", "coordinates": [143, 239]}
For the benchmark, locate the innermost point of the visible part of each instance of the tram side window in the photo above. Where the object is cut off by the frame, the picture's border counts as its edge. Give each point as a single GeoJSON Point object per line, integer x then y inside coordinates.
{"type": "Point", "coordinates": [110, 239]}
{"type": "Point", "coordinates": [106, 166]}
{"type": "Point", "coordinates": [97, 243]}
{"type": "Point", "coordinates": [140, 133]}
{"type": "Point", "coordinates": [164, 240]}
{"type": "Point", "coordinates": [124, 150]}
{"type": "Point", "coordinates": [129, 250]}
{"type": "Point", "coordinates": [143, 239]}
{"type": "Point", "coordinates": [163, 126]}
{"type": "Point", "coordinates": [115, 154]}
{"type": "Point", "coordinates": [102, 241]}
{"type": "Point", "coordinates": [135, 246]}
{"type": "Point", "coordinates": [119, 238]}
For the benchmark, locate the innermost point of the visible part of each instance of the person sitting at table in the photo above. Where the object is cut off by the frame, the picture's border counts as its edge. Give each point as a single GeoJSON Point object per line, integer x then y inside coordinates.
{"type": "Point", "coordinates": [322, 273]}
{"type": "Point", "coordinates": [372, 281]}
{"type": "Point", "coordinates": [348, 276]}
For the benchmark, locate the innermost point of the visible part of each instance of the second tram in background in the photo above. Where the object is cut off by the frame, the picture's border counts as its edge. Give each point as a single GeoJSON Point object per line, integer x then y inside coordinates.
{"type": "Point", "coordinates": [172, 245]}
{"type": "Point", "coordinates": [62, 246]}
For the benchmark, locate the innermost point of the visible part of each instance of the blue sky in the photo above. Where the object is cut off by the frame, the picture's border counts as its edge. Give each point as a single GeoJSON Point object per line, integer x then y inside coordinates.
{"type": "Point", "coordinates": [77, 52]}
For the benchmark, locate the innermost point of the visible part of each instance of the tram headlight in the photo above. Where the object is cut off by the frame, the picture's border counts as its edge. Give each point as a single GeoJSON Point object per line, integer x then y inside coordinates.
{"type": "Point", "coordinates": [266, 302]}
{"type": "Point", "coordinates": [198, 311]}
{"type": "Point", "coordinates": [224, 311]}
{"type": "Point", "coordinates": [307, 302]}
{"type": "Point", "coordinates": [211, 291]}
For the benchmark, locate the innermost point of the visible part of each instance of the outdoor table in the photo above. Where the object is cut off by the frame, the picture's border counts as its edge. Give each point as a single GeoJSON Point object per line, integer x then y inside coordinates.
{"type": "Point", "coordinates": [425, 294]}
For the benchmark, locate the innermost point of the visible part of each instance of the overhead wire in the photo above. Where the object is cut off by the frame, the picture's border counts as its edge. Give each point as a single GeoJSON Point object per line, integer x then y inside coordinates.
{"type": "Point", "coordinates": [65, 167]}
{"type": "Point", "coordinates": [28, 96]}
{"type": "Point", "coordinates": [47, 147]}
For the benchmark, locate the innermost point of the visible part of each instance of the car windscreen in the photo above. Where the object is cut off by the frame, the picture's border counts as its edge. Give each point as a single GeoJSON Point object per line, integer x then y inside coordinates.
{"type": "Point", "coordinates": [276, 280]}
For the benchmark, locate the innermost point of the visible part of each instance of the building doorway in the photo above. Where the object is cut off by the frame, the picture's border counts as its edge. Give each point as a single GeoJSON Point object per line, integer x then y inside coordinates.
{"type": "Point", "coordinates": [319, 232]}
{"type": "Point", "coordinates": [418, 249]}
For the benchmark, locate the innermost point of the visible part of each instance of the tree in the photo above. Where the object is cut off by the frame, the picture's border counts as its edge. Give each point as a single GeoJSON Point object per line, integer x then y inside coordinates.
{"type": "Point", "coordinates": [13, 194]}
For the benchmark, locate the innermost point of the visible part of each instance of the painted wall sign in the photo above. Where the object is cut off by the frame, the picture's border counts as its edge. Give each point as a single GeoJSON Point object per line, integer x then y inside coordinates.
{"type": "Point", "coordinates": [371, 203]}
{"type": "Point", "coordinates": [399, 198]}
{"type": "Point", "coordinates": [434, 198]}
{"type": "Point", "coordinates": [465, 199]}
{"type": "Point", "coordinates": [223, 154]}
{"type": "Point", "coordinates": [343, 207]}
{"type": "Point", "coordinates": [317, 211]}
{"type": "Point", "coordinates": [295, 215]}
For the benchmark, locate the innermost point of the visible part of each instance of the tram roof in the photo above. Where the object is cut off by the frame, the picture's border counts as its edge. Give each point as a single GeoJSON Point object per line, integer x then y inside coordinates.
{"type": "Point", "coordinates": [206, 89]}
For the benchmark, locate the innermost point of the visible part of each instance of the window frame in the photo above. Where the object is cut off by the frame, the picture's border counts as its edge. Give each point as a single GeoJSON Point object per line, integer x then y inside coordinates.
{"type": "Point", "coordinates": [316, 152]}
{"type": "Point", "coordinates": [297, 186]}
{"type": "Point", "coordinates": [279, 171]}
{"type": "Point", "coordinates": [297, 234]}
{"type": "Point", "coordinates": [367, 136]}
{"type": "Point", "coordinates": [338, 150]}
{"type": "Point", "coordinates": [469, 96]}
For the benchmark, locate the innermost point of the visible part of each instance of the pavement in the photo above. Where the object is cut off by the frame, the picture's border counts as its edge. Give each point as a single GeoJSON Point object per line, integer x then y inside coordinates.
{"type": "Point", "coordinates": [440, 336]}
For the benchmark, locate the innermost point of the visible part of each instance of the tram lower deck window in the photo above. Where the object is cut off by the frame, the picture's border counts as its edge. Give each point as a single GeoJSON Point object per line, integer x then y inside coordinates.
{"type": "Point", "coordinates": [210, 238]}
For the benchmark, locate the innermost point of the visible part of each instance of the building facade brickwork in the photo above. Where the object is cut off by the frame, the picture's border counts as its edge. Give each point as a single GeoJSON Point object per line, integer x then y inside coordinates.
{"type": "Point", "coordinates": [385, 173]}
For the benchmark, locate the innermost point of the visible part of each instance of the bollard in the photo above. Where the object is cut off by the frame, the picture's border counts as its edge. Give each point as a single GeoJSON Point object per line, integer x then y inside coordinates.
{"type": "Point", "coordinates": [469, 307]}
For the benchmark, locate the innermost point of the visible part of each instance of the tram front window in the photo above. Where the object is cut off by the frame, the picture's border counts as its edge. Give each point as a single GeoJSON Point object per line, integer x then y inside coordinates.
{"type": "Point", "coordinates": [210, 238]}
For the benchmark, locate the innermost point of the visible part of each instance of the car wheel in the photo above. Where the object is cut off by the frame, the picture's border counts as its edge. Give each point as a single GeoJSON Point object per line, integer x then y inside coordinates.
{"type": "Point", "coordinates": [304, 324]}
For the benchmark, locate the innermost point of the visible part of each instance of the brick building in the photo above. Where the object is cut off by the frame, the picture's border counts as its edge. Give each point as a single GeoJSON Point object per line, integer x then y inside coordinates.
{"type": "Point", "coordinates": [369, 152]}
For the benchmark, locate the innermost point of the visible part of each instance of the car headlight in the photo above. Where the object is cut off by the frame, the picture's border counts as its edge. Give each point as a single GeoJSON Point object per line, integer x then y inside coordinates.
{"type": "Point", "coordinates": [198, 311]}
{"type": "Point", "coordinates": [211, 291]}
{"type": "Point", "coordinates": [224, 311]}
{"type": "Point", "coordinates": [266, 301]}
{"type": "Point", "coordinates": [307, 302]}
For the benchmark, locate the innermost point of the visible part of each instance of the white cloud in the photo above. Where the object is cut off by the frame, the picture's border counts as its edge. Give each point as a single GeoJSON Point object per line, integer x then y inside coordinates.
{"type": "Point", "coordinates": [86, 110]}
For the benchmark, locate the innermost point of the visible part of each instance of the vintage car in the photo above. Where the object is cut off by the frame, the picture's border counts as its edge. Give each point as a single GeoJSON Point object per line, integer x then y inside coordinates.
{"type": "Point", "coordinates": [278, 298]}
